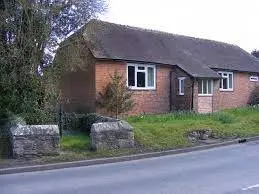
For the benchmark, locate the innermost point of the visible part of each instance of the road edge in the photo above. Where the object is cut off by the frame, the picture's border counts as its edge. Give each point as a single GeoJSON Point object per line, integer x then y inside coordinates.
{"type": "Point", "coordinates": [53, 166]}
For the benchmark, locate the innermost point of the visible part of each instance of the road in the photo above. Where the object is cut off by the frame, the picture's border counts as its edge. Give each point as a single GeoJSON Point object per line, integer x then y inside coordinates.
{"type": "Point", "coordinates": [226, 170]}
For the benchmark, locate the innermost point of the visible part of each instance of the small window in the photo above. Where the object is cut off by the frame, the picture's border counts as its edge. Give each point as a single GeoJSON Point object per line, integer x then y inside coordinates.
{"type": "Point", "coordinates": [226, 82]}
{"type": "Point", "coordinates": [253, 78]}
{"type": "Point", "coordinates": [205, 86]}
{"type": "Point", "coordinates": [141, 76]}
{"type": "Point", "coordinates": [181, 85]}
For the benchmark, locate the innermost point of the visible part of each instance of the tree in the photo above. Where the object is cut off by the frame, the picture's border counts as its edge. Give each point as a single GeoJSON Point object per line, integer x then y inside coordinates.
{"type": "Point", "coordinates": [116, 97]}
{"type": "Point", "coordinates": [29, 29]}
{"type": "Point", "coordinates": [255, 53]}
{"type": "Point", "coordinates": [68, 16]}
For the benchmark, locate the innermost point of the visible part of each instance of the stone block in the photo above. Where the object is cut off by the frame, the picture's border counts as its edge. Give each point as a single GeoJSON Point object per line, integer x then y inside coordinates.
{"type": "Point", "coordinates": [111, 135]}
{"type": "Point", "coordinates": [34, 140]}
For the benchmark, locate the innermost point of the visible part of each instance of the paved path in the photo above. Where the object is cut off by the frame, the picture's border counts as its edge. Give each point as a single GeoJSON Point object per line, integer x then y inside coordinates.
{"type": "Point", "coordinates": [228, 170]}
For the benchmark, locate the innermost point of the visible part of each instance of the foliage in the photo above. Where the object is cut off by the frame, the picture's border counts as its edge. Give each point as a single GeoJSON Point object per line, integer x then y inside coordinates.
{"type": "Point", "coordinates": [255, 53]}
{"type": "Point", "coordinates": [4, 147]}
{"type": "Point", "coordinates": [80, 122]}
{"type": "Point", "coordinates": [22, 92]}
{"type": "Point", "coordinates": [72, 54]}
{"type": "Point", "coordinates": [29, 31]}
{"type": "Point", "coordinates": [67, 16]}
{"type": "Point", "coordinates": [116, 98]}
{"type": "Point", "coordinates": [254, 98]}
{"type": "Point", "coordinates": [72, 122]}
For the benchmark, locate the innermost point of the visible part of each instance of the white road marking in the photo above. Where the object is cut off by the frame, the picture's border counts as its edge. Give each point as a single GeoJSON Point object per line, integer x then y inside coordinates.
{"type": "Point", "coordinates": [250, 187]}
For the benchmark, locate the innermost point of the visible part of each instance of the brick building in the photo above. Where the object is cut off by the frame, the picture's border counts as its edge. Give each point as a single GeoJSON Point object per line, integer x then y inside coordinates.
{"type": "Point", "coordinates": [167, 72]}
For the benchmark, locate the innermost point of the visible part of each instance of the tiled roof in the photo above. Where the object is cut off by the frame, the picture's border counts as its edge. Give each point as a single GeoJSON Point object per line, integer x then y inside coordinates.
{"type": "Point", "coordinates": [196, 56]}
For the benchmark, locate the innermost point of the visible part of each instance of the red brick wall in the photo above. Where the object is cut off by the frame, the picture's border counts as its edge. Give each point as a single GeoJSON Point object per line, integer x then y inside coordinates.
{"type": "Point", "coordinates": [154, 101]}
{"type": "Point", "coordinates": [195, 96]}
{"type": "Point", "coordinates": [216, 95]}
{"type": "Point", "coordinates": [204, 104]}
{"type": "Point", "coordinates": [147, 101]}
{"type": "Point", "coordinates": [241, 94]}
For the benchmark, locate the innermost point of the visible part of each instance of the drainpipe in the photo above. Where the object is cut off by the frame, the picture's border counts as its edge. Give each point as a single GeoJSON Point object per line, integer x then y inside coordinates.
{"type": "Point", "coordinates": [192, 94]}
{"type": "Point", "coordinates": [170, 91]}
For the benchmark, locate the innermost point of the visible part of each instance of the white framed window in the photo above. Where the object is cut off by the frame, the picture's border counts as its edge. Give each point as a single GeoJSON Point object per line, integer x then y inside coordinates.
{"type": "Point", "coordinates": [181, 85]}
{"type": "Point", "coordinates": [253, 78]}
{"type": "Point", "coordinates": [141, 76]}
{"type": "Point", "coordinates": [226, 82]}
{"type": "Point", "coordinates": [205, 87]}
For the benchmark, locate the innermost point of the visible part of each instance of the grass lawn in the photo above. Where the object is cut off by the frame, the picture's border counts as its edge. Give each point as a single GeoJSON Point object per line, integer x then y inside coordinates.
{"type": "Point", "coordinates": [170, 130]}
{"type": "Point", "coordinates": [75, 143]}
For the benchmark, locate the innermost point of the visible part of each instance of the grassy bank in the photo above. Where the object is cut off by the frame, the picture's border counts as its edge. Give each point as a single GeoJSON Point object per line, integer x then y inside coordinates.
{"type": "Point", "coordinates": [164, 131]}
{"type": "Point", "coordinates": [170, 130]}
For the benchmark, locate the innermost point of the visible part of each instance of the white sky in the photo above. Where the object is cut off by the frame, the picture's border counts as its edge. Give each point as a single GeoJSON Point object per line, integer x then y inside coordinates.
{"type": "Point", "coordinates": [231, 21]}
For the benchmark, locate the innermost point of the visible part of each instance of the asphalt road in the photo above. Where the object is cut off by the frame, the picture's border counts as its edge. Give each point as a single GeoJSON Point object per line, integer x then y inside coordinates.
{"type": "Point", "coordinates": [228, 170]}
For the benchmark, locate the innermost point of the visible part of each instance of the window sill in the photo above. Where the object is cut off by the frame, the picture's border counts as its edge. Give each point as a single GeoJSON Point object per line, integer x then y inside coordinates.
{"type": "Point", "coordinates": [205, 95]}
{"type": "Point", "coordinates": [226, 90]}
{"type": "Point", "coordinates": [136, 88]}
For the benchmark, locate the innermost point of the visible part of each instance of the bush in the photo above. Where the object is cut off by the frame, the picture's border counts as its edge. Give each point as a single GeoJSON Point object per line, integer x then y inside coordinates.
{"type": "Point", "coordinates": [254, 98]}
{"type": "Point", "coordinates": [81, 122]}
{"type": "Point", "coordinates": [116, 97]}
{"type": "Point", "coordinates": [7, 119]}
{"type": "Point", "coordinates": [70, 121]}
{"type": "Point", "coordinates": [5, 147]}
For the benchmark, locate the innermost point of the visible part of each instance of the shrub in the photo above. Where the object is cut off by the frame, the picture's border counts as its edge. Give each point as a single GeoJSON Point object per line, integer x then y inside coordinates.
{"type": "Point", "coordinates": [7, 119]}
{"type": "Point", "coordinates": [254, 98]}
{"type": "Point", "coordinates": [81, 122]}
{"type": "Point", "coordinates": [116, 98]}
{"type": "Point", "coordinates": [70, 121]}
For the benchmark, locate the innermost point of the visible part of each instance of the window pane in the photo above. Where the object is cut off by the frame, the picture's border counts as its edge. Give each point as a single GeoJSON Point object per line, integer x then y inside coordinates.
{"type": "Point", "coordinates": [204, 86]}
{"type": "Point", "coordinates": [200, 86]}
{"type": "Point", "coordinates": [230, 81]}
{"type": "Point", "coordinates": [131, 76]}
{"type": "Point", "coordinates": [141, 79]}
{"type": "Point", "coordinates": [150, 74]}
{"type": "Point", "coordinates": [220, 81]}
{"type": "Point", "coordinates": [209, 87]}
{"type": "Point", "coordinates": [182, 86]}
{"type": "Point", "coordinates": [141, 68]}
{"type": "Point", "coordinates": [225, 83]}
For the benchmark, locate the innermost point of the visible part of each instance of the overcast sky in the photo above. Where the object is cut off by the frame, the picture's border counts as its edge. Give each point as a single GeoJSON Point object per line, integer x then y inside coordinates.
{"type": "Point", "coordinates": [231, 21]}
